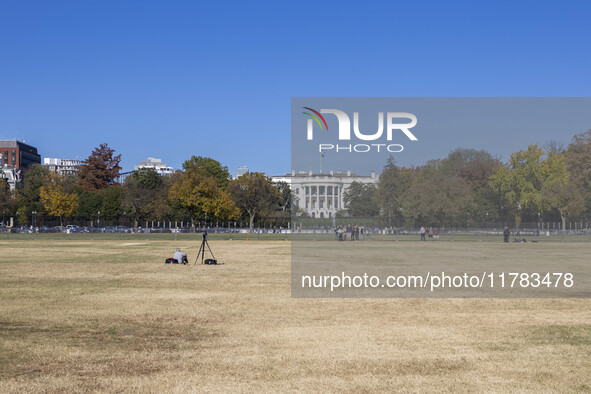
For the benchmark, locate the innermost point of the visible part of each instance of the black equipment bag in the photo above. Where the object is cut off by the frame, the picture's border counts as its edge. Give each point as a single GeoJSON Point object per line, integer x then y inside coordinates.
{"type": "Point", "coordinates": [210, 261]}
{"type": "Point", "coordinates": [170, 261]}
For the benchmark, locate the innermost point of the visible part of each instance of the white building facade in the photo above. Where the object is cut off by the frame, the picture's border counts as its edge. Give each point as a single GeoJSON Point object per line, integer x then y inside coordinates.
{"type": "Point", "coordinates": [157, 164]}
{"type": "Point", "coordinates": [62, 166]}
{"type": "Point", "coordinates": [11, 175]}
{"type": "Point", "coordinates": [322, 195]}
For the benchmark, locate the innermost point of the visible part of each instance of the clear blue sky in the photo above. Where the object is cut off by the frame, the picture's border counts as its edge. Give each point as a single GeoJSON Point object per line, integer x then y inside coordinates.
{"type": "Point", "coordinates": [174, 79]}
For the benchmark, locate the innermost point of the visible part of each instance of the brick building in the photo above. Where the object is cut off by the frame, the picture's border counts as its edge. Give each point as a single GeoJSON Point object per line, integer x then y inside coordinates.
{"type": "Point", "coordinates": [18, 154]}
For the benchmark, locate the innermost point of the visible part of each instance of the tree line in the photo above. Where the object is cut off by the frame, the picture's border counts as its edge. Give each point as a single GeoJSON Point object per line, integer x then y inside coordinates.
{"type": "Point", "coordinates": [540, 183]}
{"type": "Point", "coordinates": [202, 190]}
{"type": "Point", "coordinates": [548, 183]}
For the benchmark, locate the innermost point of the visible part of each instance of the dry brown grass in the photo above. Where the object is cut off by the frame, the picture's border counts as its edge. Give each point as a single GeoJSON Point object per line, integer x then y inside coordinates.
{"type": "Point", "coordinates": [110, 316]}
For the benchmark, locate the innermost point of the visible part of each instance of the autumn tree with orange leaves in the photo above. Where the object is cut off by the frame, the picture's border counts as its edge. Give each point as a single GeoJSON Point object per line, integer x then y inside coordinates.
{"type": "Point", "coordinates": [100, 170]}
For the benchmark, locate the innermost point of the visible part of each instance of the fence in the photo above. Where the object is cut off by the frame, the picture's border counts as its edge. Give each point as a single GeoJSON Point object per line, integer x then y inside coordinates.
{"type": "Point", "coordinates": [121, 228]}
{"type": "Point", "coordinates": [448, 230]}
{"type": "Point", "coordinates": [368, 229]}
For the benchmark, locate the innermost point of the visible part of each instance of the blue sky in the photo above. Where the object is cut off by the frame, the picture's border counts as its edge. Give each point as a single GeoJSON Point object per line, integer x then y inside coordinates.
{"type": "Point", "coordinates": [174, 79]}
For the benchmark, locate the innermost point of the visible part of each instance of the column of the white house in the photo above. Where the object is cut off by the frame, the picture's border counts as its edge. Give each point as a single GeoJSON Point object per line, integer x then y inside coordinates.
{"type": "Point", "coordinates": [325, 201]}
{"type": "Point", "coordinates": [310, 199]}
{"type": "Point", "coordinates": [320, 210]}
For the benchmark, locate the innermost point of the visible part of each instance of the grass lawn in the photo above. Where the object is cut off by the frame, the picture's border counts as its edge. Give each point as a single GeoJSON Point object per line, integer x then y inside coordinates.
{"type": "Point", "coordinates": [108, 315]}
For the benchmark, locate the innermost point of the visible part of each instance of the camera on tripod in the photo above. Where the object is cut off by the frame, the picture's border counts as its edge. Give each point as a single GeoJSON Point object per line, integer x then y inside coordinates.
{"type": "Point", "coordinates": [201, 253]}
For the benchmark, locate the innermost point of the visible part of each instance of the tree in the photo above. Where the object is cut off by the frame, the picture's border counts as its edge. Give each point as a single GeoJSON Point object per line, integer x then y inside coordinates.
{"type": "Point", "coordinates": [435, 196]}
{"type": "Point", "coordinates": [530, 172]}
{"type": "Point", "coordinates": [28, 196]}
{"type": "Point", "coordinates": [473, 166]}
{"type": "Point", "coordinates": [254, 193]}
{"type": "Point", "coordinates": [100, 170]}
{"type": "Point", "coordinates": [520, 182]}
{"type": "Point", "coordinates": [287, 197]}
{"type": "Point", "coordinates": [559, 191]}
{"type": "Point", "coordinates": [359, 200]}
{"type": "Point", "coordinates": [554, 146]}
{"type": "Point", "coordinates": [89, 203]}
{"type": "Point", "coordinates": [56, 200]}
{"type": "Point", "coordinates": [107, 201]}
{"type": "Point", "coordinates": [201, 196]}
{"type": "Point", "coordinates": [392, 184]}
{"type": "Point", "coordinates": [460, 159]}
{"type": "Point", "coordinates": [209, 167]}
{"type": "Point", "coordinates": [111, 201]}
{"type": "Point", "coordinates": [7, 199]}
{"type": "Point", "coordinates": [577, 158]}
{"type": "Point", "coordinates": [566, 197]}
{"type": "Point", "coordinates": [144, 195]}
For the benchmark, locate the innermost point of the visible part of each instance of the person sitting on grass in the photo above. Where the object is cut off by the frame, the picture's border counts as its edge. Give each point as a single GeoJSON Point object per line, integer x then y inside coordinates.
{"type": "Point", "coordinates": [180, 257]}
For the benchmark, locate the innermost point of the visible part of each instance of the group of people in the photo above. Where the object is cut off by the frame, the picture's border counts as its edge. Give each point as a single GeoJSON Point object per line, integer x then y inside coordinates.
{"type": "Point", "coordinates": [349, 233]}
{"type": "Point", "coordinates": [429, 234]}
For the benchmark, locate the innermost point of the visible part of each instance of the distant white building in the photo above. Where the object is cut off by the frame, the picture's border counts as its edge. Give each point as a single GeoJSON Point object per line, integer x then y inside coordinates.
{"type": "Point", "coordinates": [62, 166]}
{"type": "Point", "coordinates": [157, 164]}
{"type": "Point", "coordinates": [10, 174]}
{"type": "Point", "coordinates": [321, 195]}
{"type": "Point", "coordinates": [241, 171]}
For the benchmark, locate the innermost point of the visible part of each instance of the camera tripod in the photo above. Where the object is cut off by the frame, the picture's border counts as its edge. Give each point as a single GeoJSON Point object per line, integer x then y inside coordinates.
{"type": "Point", "coordinates": [201, 252]}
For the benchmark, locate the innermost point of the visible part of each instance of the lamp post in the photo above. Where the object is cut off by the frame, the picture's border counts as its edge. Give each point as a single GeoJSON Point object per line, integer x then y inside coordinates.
{"type": "Point", "coordinates": [35, 223]}
{"type": "Point", "coordinates": [99, 221]}
{"type": "Point", "coordinates": [487, 224]}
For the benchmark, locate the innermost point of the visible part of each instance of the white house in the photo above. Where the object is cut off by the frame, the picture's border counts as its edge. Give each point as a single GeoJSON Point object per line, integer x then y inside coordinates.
{"type": "Point", "coordinates": [321, 195]}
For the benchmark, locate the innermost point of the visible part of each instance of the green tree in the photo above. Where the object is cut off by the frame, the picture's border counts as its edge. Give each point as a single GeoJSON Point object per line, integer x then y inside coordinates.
{"type": "Point", "coordinates": [89, 203]}
{"type": "Point", "coordinates": [175, 207]}
{"type": "Point", "coordinates": [201, 196]}
{"type": "Point", "coordinates": [522, 181]}
{"type": "Point", "coordinates": [209, 167]}
{"type": "Point", "coordinates": [475, 167]}
{"type": "Point", "coordinates": [565, 197]}
{"type": "Point", "coordinates": [577, 158]}
{"type": "Point", "coordinates": [111, 206]}
{"type": "Point", "coordinates": [435, 196]}
{"type": "Point", "coordinates": [254, 193]}
{"type": "Point", "coordinates": [107, 201]}
{"type": "Point", "coordinates": [8, 201]}
{"type": "Point", "coordinates": [559, 192]}
{"type": "Point", "coordinates": [100, 170]}
{"type": "Point", "coordinates": [144, 195]}
{"type": "Point", "coordinates": [360, 200]}
{"type": "Point", "coordinates": [287, 197]}
{"type": "Point", "coordinates": [392, 184]}
{"type": "Point", "coordinates": [28, 195]}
